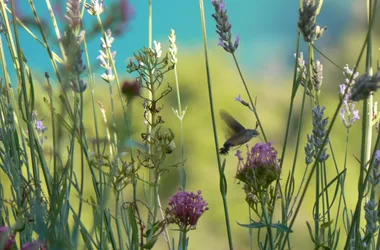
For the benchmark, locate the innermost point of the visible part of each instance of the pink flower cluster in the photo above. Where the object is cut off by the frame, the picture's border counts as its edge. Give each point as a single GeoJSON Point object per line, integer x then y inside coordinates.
{"type": "Point", "coordinates": [7, 241]}
{"type": "Point", "coordinates": [186, 208]}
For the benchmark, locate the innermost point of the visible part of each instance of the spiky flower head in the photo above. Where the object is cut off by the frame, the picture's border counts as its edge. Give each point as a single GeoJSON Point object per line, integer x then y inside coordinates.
{"type": "Point", "coordinates": [317, 75]}
{"type": "Point", "coordinates": [348, 113]}
{"type": "Point", "coordinates": [223, 27]}
{"type": "Point", "coordinates": [260, 168]}
{"type": "Point", "coordinates": [185, 209]}
{"type": "Point", "coordinates": [319, 133]}
{"type": "Point", "coordinates": [307, 20]}
{"type": "Point", "coordinates": [364, 86]}
{"type": "Point", "coordinates": [173, 50]}
{"type": "Point", "coordinates": [106, 57]}
{"type": "Point", "coordinates": [73, 14]}
{"type": "Point", "coordinates": [96, 8]}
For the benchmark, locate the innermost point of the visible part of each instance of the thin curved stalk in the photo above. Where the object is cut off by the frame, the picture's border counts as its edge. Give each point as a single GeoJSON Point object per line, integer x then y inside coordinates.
{"type": "Point", "coordinates": [223, 184]}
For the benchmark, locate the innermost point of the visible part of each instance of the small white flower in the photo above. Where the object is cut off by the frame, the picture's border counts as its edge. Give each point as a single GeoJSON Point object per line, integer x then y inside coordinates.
{"type": "Point", "coordinates": [157, 49]}
{"type": "Point", "coordinates": [108, 76]}
{"type": "Point", "coordinates": [96, 8]}
{"type": "Point", "coordinates": [109, 39]}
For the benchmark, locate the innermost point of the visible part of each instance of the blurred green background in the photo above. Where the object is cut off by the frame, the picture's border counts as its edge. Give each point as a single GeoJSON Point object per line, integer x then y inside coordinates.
{"type": "Point", "coordinates": [268, 30]}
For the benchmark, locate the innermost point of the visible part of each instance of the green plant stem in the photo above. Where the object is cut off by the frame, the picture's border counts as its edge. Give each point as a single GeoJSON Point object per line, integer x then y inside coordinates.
{"type": "Point", "coordinates": [249, 96]}
{"type": "Point", "coordinates": [311, 174]}
{"type": "Point", "coordinates": [152, 201]}
{"type": "Point", "coordinates": [268, 223]}
{"type": "Point", "coordinates": [318, 181]}
{"type": "Point", "coordinates": [27, 106]}
{"type": "Point", "coordinates": [366, 131]}
{"type": "Point", "coordinates": [150, 23]}
{"type": "Point", "coordinates": [117, 219]}
{"type": "Point", "coordinates": [250, 230]}
{"type": "Point", "coordinates": [81, 191]}
{"type": "Point", "coordinates": [56, 28]}
{"type": "Point", "coordinates": [369, 71]}
{"type": "Point", "coordinates": [183, 236]}
{"type": "Point", "coordinates": [223, 184]}
{"type": "Point", "coordinates": [325, 140]}
{"type": "Point", "coordinates": [361, 193]}
{"type": "Point", "coordinates": [180, 116]}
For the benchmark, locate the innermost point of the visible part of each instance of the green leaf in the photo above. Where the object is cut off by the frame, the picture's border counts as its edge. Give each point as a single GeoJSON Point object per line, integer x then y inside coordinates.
{"type": "Point", "coordinates": [253, 225]}
{"type": "Point", "coordinates": [282, 227]}
{"type": "Point", "coordinates": [310, 232]}
{"type": "Point", "coordinates": [150, 244]}
{"type": "Point", "coordinates": [326, 224]}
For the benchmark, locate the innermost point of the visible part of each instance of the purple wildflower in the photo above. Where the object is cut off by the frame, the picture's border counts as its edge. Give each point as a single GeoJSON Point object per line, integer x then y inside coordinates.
{"type": "Point", "coordinates": [186, 208]}
{"type": "Point", "coordinates": [223, 27]}
{"type": "Point", "coordinates": [7, 240]}
{"type": "Point", "coordinates": [375, 178]}
{"type": "Point", "coordinates": [348, 113]}
{"type": "Point", "coordinates": [126, 13]}
{"type": "Point", "coordinates": [35, 245]}
{"type": "Point", "coordinates": [131, 88]}
{"type": "Point", "coordinates": [238, 155]}
{"type": "Point", "coordinates": [79, 88]}
{"type": "Point", "coordinates": [260, 167]}
{"type": "Point", "coordinates": [39, 125]}
{"type": "Point", "coordinates": [237, 41]}
{"type": "Point", "coordinates": [73, 15]}
{"type": "Point", "coordinates": [356, 116]}
{"type": "Point", "coordinates": [238, 98]}
{"type": "Point", "coordinates": [377, 155]}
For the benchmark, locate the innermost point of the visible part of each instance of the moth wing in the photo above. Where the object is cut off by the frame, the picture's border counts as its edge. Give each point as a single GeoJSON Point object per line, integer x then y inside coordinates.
{"type": "Point", "coordinates": [230, 121]}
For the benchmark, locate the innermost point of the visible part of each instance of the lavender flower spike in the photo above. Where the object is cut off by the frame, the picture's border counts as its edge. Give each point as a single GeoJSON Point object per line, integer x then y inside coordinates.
{"type": "Point", "coordinates": [96, 8]}
{"type": "Point", "coordinates": [223, 27]}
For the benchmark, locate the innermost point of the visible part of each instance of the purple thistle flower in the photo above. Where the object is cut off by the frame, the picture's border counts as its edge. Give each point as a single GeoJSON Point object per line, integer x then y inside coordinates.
{"type": "Point", "coordinates": [260, 167]}
{"type": "Point", "coordinates": [35, 245]}
{"type": "Point", "coordinates": [7, 240]}
{"type": "Point", "coordinates": [131, 88]}
{"type": "Point", "coordinates": [186, 208]}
